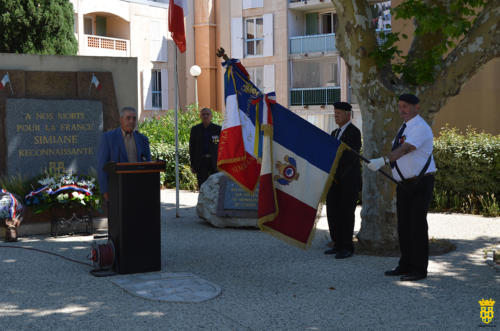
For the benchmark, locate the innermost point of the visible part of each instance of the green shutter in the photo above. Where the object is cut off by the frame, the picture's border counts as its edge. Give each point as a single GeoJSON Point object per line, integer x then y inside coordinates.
{"type": "Point", "coordinates": [100, 22]}
{"type": "Point", "coordinates": [312, 23]}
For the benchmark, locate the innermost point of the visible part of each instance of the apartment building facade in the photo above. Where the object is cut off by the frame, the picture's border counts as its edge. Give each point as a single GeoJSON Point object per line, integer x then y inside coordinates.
{"type": "Point", "coordinates": [289, 47]}
{"type": "Point", "coordinates": [134, 28]}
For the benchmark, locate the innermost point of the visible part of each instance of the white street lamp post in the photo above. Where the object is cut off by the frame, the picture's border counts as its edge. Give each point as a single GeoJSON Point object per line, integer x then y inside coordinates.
{"type": "Point", "coordinates": [195, 71]}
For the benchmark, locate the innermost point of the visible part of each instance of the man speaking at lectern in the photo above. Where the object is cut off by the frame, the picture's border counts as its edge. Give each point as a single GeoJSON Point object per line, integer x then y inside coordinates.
{"type": "Point", "coordinates": [123, 144]}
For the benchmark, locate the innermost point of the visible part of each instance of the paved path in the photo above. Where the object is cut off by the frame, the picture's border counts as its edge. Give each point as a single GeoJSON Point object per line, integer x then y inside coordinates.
{"type": "Point", "coordinates": [266, 284]}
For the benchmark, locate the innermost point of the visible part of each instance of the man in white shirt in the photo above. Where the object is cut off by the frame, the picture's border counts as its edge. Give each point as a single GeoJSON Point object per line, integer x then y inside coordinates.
{"type": "Point", "coordinates": [413, 167]}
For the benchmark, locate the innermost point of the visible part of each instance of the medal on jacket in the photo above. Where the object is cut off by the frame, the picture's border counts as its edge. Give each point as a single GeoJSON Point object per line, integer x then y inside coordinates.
{"type": "Point", "coordinates": [215, 139]}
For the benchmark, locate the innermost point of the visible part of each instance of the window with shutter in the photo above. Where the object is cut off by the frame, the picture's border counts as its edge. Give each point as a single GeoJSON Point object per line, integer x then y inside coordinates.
{"type": "Point", "coordinates": [155, 41]}
{"type": "Point", "coordinates": [237, 37]}
{"type": "Point", "coordinates": [269, 78]}
{"type": "Point", "coordinates": [247, 4]}
{"type": "Point", "coordinates": [164, 88]}
{"type": "Point", "coordinates": [268, 35]}
{"type": "Point", "coordinates": [156, 89]}
{"type": "Point", "coordinates": [257, 76]}
{"type": "Point", "coordinates": [147, 89]}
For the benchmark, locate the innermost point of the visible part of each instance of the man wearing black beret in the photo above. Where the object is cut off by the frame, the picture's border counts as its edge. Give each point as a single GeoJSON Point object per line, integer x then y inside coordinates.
{"type": "Point", "coordinates": [413, 167]}
{"type": "Point", "coordinates": [343, 194]}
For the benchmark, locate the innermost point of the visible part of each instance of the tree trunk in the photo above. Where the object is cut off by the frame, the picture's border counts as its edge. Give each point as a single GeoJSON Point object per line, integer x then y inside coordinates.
{"type": "Point", "coordinates": [378, 214]}
{"type": "Point", "coordinates": [377, 89]}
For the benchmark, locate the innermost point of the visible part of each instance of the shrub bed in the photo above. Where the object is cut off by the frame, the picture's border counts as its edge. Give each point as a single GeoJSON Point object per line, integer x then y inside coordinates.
{"type": "Point", "coordinates": [468, 176]}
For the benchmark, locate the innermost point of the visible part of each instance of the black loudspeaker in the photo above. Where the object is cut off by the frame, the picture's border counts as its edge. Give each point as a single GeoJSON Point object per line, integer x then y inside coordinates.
{"type": "Point", "coordinates": [134, 221]}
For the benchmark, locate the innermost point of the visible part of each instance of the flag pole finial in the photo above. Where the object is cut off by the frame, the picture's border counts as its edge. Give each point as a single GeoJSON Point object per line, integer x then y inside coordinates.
{"type": "Point", "coordinates": [222, 53]}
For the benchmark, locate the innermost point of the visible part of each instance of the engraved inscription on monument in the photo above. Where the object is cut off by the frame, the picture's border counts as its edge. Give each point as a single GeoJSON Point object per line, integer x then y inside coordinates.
{"type": "Point", "coordinates": [52, 135]}
{"type": "Point", "coordinates": [235, 201]}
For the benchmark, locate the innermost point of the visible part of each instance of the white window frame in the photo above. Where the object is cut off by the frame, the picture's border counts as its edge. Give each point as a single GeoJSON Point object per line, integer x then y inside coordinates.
{"type": "Point", "coordinates": [255, 39]}
{"type": "Point", "coordinates": [331, 14]}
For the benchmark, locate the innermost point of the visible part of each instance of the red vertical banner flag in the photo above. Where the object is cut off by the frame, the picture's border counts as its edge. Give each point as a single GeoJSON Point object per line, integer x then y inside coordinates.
{"type": "Point", "coordinates": [177, 9]}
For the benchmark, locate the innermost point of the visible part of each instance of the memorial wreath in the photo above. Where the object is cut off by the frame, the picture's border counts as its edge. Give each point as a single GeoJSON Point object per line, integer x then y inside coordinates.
{"type": "Point", "coordinates": [64, 191]}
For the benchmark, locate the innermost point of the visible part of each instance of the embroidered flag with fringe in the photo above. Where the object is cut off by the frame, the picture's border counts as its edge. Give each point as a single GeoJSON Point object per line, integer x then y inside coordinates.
{"type": "Point", "coordinates": [239, 137]}
{"type": "Point", "coordinates": [298, 164]}
{"type": "Point", "coordinates": [293, 161]}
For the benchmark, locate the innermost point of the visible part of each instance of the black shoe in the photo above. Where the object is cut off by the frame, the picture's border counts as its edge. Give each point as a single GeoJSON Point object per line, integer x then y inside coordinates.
{"type": "Point", "coordinates": [413, 276]}
{"type": "Point", "coordinates": [396, 272]}
{"type": "Point", "coordinates": [331, 251]}
{"type": "Point", "coordinates": [343, 254]}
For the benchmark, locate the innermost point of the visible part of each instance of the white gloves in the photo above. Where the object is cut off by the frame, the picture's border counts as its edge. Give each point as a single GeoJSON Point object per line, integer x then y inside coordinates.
{"type": "Point", "coordinates": [376, 164]}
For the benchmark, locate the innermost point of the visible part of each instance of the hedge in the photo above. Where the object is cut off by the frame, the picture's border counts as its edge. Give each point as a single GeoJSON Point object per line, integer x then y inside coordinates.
{"type": "Point", "coordinates": [468, 176]}
{"type": "Point", "coordinates": [160, 131]}
{"type": "Point", "coordinates": [162, 151]}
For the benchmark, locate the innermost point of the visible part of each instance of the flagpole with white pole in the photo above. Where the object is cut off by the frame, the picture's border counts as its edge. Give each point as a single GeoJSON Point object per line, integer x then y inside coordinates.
{"type": "Point", "coordinates": [177, 9]}
{"type": "Point", "coordinates": [176, 138]}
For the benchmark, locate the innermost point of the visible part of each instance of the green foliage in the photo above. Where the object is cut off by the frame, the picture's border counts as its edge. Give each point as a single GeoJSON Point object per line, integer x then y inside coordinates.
{"type": "Point", "coordinates": [161, 129]}
{"type": "Point", "coordinates": [162, 151]}
{"type": "Point", "coordinates": [444, 25]}
{"type": "Point", "coordinates": [468, 174]}
{"type": "Point", "coordinates": [18, 185]}
{"type": "Point", "coordinates": [37, 27]}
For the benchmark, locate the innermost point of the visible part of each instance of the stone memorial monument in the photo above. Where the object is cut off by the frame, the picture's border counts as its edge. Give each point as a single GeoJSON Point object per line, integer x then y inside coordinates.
{"type": "Point", "coordinates": [223, 203]}
{"type": "Point", "coordinates": [52, 135]}
{"type": "Point", "coordinates": [52, 121]}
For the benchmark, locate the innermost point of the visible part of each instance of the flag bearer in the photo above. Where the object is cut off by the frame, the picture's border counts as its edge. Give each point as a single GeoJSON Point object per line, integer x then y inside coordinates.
{"type": "Point", "coordinates": [344, 192]}
{"type": "Point", "coordinates": [413, 167]}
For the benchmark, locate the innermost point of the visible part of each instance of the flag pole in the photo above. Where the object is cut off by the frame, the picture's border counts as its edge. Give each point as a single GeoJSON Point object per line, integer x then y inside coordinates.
{"type": "Point", "coordinates": [368, 161]}
{"type": "Point", "coordinates": [176, 138]}
{"type": "Point", "coordinates": [10, 85]}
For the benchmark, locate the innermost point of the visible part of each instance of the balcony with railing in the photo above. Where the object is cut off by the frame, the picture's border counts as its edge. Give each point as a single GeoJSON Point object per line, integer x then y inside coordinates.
{"type": "Point", "coordinates": [313, 43]}
{"type": "Point", "coordinates": [314, 96]}
{"type": "Point", "coordinates": [306, 5]}
{"type": "Point", "coordinates": [106, 46]}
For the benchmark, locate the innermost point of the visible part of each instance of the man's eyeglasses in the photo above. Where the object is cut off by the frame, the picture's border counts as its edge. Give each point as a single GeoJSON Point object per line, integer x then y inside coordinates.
{"type": "Point", "coordinates": [205, 114]}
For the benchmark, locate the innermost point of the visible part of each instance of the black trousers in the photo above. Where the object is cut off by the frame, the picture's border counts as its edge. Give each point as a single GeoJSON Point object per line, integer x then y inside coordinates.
{"type": "Point", "coordinates": [413, 200]}
{"type": "Point", "coordinates": [206, 169]}
{"type": "Point", "coordinates": [340, 207]}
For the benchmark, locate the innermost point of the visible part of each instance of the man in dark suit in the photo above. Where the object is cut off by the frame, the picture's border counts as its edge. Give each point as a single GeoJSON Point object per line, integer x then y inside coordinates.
{"type": "Point", "coordinates": [203, 146]}
{"type": "Point", "coordinates": [123, 144]}
{"type": "Point", "coordinates": [343, 194]}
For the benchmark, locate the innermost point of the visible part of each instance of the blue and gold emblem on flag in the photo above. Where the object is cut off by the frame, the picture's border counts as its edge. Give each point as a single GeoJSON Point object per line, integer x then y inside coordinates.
{"type": "Point", "coordinates": [287, 171]}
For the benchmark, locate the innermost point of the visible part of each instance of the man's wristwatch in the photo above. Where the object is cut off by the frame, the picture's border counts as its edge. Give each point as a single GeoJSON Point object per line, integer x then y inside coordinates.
{"type": "Point", "coordinates": [386, 160]}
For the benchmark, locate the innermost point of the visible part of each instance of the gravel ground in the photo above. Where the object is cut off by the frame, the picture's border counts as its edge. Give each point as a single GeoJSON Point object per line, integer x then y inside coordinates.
{"type": "Point", "coordinates": [266, 284]}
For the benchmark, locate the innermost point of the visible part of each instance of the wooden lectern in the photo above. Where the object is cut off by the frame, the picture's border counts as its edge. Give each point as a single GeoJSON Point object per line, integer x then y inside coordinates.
{"type": "Point", "coordinates": [134, 215]}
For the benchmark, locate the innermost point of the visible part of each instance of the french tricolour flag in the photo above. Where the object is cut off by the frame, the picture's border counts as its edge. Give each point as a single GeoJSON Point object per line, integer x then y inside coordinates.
{"type": "Point", "coordinates": [238, 142]}
{"type": "Point", "coordinates": [96, 82]}
{"type": "Point", "coordinates": [298, 164]}
{"type": "Point", "coordinates": [177, 9]}
{"type": "Point", "coordinates": [5, 80]}
{"type": "Point", "coordinates": [293, 161]}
